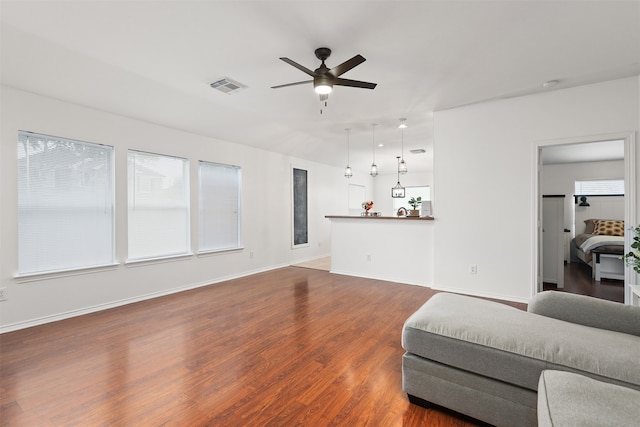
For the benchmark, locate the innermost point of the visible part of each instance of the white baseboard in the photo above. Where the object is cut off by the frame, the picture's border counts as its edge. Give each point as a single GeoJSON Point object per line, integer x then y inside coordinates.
{"type": "Point", "coordinates": [87, 310]}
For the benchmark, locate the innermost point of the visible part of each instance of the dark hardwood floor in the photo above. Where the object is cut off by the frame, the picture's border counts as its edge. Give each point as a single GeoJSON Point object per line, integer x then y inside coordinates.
{"type": "Point", "coordinates": [577, 280]}
{"type": "Point", "coordinates": [290, 347]}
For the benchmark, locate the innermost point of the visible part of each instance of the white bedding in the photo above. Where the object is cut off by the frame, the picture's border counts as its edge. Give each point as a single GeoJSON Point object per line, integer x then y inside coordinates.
{"type": "Point", "coordinates": [597, 241]}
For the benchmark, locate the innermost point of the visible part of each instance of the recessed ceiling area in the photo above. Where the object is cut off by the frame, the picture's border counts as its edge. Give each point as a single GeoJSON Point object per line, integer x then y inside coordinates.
{"type": "Point", "coordinates": [155, 60]}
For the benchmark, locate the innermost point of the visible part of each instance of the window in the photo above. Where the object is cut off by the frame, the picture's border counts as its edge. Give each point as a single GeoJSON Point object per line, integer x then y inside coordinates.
{"type": "Point", "coordinates": [424, 192]}
{"type": "Point", "coordinates": [219, 199]}
{"type": "Point", "coordinates": [65, 204]}
{"type": "Point", "coordinates": [158, 192]}
{"type": "Point", "coordinates": [602, 187]}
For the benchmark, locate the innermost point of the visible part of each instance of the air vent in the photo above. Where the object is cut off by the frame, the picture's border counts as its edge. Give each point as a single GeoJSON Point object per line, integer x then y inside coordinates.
{"type": "Point", "coordinates": [418, 151]}
{"type": "Point", "coordinates": [228, 85]}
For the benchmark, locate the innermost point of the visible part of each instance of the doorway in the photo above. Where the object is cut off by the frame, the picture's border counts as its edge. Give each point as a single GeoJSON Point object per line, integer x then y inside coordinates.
{"type": "Point", "coordinates": [595, 157]}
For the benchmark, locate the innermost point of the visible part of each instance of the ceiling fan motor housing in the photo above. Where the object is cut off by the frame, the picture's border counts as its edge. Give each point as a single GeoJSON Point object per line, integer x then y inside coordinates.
{"type": "Point", "coordinates": [322, 53]}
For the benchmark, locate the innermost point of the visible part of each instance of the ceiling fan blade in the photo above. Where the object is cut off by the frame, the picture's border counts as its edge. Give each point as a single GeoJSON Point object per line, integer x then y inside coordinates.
{"type": "Point", "coordinates": [298, 66]}
{"type": "Point", "coordinates": [354, 83]}
{"type": "Point", "coordinates": [347, 65]}
{"type": "Point", "coordinates": [292, 84]}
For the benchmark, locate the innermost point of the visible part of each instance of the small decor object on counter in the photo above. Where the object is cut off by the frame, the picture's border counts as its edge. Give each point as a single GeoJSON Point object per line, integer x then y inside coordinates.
{"type": "Point", "coordinates": [414, 204]}
{"type": "Point", "coordinates": [367, 205]}
{"type": "Point", "coordinates": [401, 212]}
{"type": "Point", "coordinates": [632, 258]}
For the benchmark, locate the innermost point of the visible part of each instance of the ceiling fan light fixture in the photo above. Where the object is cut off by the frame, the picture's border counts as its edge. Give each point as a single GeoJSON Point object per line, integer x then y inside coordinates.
{"type": "Point", "coordinates": [403, 124]}
{"type": "Point", "coordinates": [323, 89]}
{"type": "Point", "coordinates": [324, 78]}
{"type": "Point", "coordinates": [322, 84]}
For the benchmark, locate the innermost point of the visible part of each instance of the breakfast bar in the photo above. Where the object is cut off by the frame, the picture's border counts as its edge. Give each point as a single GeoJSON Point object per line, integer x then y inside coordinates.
{"type": "Point", "coordinates": [397, 249]}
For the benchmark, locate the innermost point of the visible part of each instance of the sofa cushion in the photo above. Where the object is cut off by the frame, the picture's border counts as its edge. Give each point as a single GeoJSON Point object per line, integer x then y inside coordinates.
{"type": "Point", "coordinates": [566, 399]}
{"type": "Point", "coordinates": [585, 310]}
{"type": "Point", "coordinates": [512, 345]}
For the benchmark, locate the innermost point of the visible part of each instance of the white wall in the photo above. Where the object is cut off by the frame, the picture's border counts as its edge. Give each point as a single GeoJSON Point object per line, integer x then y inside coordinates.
{"type": "Point", "coordinates": [397, 250]}
{"type": "Point", "coordinates": [266, 213]}
{"type": "Point", "coordinates": [560, 179]}
{"type": "Point", "coordinates": [484, 179]}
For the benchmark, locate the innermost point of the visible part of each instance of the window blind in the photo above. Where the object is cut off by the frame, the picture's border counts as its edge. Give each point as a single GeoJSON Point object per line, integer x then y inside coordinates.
{"type": "Point", "coordinates": [158, 206]}
{"type": "Point", "coordinates": [602, 187]}
{"type": "Point", "coordinates": [219, 207]}
{"type": "Point", "coordinates": [65, 204]}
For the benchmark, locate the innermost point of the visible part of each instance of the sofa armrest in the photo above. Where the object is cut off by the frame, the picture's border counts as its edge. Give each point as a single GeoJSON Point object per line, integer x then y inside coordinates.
{"type": "Point", "coordinates": [588, 311]}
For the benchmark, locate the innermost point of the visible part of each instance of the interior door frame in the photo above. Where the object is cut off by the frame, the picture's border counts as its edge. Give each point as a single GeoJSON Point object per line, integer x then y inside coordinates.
{"type": "Point", "coordinates": [630, 214]}
{"type": "Point", "coordinates": [559, 264]}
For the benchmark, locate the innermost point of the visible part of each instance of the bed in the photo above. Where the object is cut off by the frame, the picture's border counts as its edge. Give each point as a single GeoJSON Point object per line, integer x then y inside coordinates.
{"type": "Point", "coordinates": [601, 246]}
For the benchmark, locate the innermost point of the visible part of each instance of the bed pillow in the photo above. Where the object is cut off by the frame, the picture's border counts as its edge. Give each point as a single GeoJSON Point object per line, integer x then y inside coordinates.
{"type": "Point", "coordinates": [590, 225]}
{"type": "Point", "coordinates": [609, 227]}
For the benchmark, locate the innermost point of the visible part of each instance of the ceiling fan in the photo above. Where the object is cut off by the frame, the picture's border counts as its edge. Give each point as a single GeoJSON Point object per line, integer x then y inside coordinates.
{"type": "Point", "coordinates": [325, 78]}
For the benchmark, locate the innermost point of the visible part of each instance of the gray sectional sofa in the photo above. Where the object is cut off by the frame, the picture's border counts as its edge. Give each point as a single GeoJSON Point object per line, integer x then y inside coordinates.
{"type": "Point", "coordinates": [484, 359]}
{"type": "Point", "coordinates": [566, 399]}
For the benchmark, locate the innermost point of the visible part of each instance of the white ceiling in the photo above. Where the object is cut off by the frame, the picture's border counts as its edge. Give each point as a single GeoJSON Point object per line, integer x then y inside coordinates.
{"type": "Point", "coordinates": [154, 61]}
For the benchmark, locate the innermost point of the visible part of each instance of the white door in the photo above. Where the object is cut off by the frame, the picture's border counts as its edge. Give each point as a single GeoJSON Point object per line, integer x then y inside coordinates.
{"type": "Point", "coordinates": [553, 240]}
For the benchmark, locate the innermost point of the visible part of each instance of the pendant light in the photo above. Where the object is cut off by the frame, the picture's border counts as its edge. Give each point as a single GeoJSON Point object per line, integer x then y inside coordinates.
{"type": "Point", "coordinates": [374, 167]}
{"type": "Point", "coordinates": [397, 192]}
{"type": "Point", "coordinates": [348, 173]}
{"type": "Point", "coordinates": [402, 166]}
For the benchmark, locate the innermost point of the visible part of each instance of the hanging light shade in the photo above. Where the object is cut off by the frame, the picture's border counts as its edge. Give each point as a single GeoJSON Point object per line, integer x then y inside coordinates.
{"type": "Point", "coordinates": [348, 173]}
{"type": "Point", "coordinates": [397, 192]}
{"type": "Point", "coordinates": [402, 165]}
{"type": "Point", "coordinates": [374, 167]}
{"type": "Point", "coordinates": [323, 84]}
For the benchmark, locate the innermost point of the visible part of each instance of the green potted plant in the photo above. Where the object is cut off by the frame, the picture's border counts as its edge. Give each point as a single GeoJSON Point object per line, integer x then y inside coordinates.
{"type": "Point", "coordinates": [414, 204]}
{"type": "Point", "coordinates": [632, 258]}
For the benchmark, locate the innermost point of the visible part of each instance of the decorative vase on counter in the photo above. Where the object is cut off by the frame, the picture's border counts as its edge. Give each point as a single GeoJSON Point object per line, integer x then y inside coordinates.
{"type": "Point", "coordinates": [367, 205]}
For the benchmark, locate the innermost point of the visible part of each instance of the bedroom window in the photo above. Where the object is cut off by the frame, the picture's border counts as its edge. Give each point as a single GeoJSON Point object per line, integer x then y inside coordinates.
{"type": "Point", "coordinates": [602, 187]}
{"type": "Point", "coordinates": [65, 204]}
{"type": "Point", "coordinates": [158, 205]}
{"type": "Point", "coordinates": [219, 207]}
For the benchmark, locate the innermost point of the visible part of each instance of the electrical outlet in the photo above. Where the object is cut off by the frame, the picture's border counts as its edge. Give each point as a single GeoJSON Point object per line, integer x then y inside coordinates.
{"type": "Point", "coordinates": [3, 294]}
{"type": "Point", "coordinates": [473, 269]}
{"type": "Point", "coordinates": [250, 254]}
{"type": "Point", "coordinates": [369, 257]}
